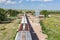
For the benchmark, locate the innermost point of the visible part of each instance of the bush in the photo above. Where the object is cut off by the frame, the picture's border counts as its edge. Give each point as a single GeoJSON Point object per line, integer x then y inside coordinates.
{"type": "Point", "coordinates": [43, 27]}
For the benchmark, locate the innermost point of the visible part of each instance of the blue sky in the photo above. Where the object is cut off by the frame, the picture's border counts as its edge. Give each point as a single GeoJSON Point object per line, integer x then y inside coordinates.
{"type": "Point", "coordinates": [31, 4]}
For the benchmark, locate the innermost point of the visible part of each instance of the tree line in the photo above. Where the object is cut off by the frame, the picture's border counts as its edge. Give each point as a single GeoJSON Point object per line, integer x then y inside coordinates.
{"type": "Point", "coordinates": [5, 13]}
{"type": "Point", "coordinates": [46, 12]}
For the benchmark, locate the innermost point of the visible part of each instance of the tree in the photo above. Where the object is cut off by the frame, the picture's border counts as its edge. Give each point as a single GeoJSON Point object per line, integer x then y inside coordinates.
{"type": "Point", "coordinates": [30, 11]}
{"type": "Point", "coordinates": [2, 14]}
{"type": "Point", "coordinates": [45, 13]}
{"type": "Point", "coordinates": [13, 12]}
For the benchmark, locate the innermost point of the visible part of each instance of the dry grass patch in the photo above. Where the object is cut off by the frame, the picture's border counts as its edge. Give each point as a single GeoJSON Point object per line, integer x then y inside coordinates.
{"type": "Point", "coordinates": [8, 31]}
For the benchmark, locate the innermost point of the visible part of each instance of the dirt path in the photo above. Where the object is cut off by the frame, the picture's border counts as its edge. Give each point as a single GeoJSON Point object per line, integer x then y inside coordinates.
{"type": "Point", "coordinates": [37, 28]}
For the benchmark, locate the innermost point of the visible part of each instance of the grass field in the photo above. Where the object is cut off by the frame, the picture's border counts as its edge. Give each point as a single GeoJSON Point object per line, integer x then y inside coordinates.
{"type": "Point", "coordinates": [8, 31]}
{"type": "Point", "coordinates": [51, 26]}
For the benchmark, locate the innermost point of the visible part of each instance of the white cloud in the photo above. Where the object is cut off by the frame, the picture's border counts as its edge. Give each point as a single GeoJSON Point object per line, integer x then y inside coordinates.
{"type": "Point", "coordinates": [42, 0]}
{"type": "Point", "coordinates": [48, 0]}
{"type": "Point", "coordinates": [20, 1]}
{"type": "Point", "coordinates": [8, 2]}
{"type": "Point", "coordinates": [11, 2]}
{"type": "Point", "coordinates": [36, 0]}
{"type": "Point", "coordinates": [1, 1]}
{"type": "Point", "coordinates": [27, 0]}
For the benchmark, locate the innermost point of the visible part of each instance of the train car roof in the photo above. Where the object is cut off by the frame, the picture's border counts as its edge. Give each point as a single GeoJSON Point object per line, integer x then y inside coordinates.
{"type": "Point", "coordinates": [21, 34]}
{"type": "Point", "coordinates": [24, 19]}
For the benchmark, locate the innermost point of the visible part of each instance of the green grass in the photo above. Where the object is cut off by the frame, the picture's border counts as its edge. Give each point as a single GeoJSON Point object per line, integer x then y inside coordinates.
{"type": "Point", "coordinates": [8, 31]}
{"type": "Point", "coordinates": [51, 27]}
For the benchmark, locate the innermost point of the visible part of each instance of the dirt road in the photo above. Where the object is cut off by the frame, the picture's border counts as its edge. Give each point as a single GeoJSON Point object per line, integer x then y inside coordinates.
{"type": "Point", "coordinates": [36, 27]}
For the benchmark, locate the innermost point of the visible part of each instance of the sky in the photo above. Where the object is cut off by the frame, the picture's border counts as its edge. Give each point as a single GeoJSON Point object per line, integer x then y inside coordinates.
{"type": "Point", "coordinates": [31, 4]}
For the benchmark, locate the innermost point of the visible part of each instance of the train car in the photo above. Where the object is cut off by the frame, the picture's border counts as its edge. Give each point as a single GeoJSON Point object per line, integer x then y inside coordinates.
{"type": "Point", "coordinates": [24, 25]}
{"type": "Point", "coordinates": [23, 31]}
{"type": "Point", "coordinates": [26, 28]}
{"type": "Point", "coordinates": [23, 35]}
